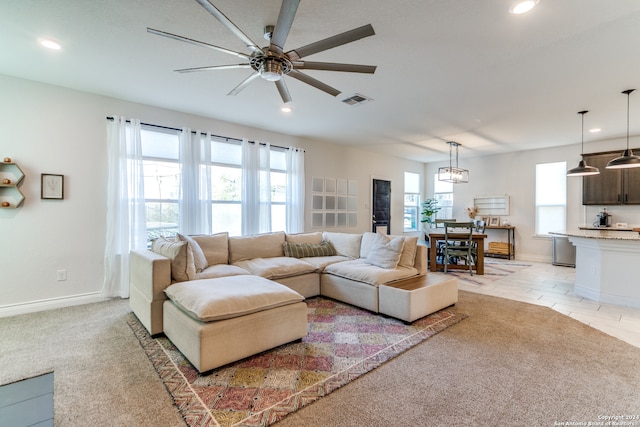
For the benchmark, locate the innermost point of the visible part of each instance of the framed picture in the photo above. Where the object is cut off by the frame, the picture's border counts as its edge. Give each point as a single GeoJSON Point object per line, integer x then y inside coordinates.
{"type": "Point", "coordinates": [494, 221]}
{"type": "Point", "coordinates": [52, 186]}
{"type": "Point", "coordinates": [486, 219]}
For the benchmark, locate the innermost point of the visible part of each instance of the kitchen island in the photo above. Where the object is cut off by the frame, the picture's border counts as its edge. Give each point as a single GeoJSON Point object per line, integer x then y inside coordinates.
{"type": "Point", "coordinates": [607, 265]}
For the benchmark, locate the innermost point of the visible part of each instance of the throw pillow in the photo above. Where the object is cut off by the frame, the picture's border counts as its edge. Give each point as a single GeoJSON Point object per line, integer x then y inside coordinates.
{"type": "Point", "coordinates": [345, 244]}
{"type": "Point", "coordinates": [177, 253]}
{"type": "Point", "coordinates": [385, 251]}
{"type": "Point", "coordinates": [215, 247]}
{"type": "Point", "coordinates": [199, 259]}
{"type": "Point", "coordinates": [305, 250]}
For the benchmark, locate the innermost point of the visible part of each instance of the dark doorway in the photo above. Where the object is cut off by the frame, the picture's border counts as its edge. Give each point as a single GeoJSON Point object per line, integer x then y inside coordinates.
{"type": "Point", "coordinates": [381, 205]}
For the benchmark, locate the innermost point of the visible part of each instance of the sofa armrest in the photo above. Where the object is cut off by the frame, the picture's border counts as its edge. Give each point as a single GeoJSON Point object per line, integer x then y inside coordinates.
{"type": "Point", "coordinates": [421, 262]}
{"type": "Point", "coordinates": [150, 273]}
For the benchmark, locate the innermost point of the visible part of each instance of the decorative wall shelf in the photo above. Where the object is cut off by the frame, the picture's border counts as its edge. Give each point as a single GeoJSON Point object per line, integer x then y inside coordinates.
{"type": "Point", "coordinates": [492, 205]}
{"type": "Point", "coordinates": [11, 177]}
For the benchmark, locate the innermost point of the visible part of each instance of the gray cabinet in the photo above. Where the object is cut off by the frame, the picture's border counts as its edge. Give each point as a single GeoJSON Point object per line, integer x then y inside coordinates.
{"type": "Point", "coordinates": [611, 186]}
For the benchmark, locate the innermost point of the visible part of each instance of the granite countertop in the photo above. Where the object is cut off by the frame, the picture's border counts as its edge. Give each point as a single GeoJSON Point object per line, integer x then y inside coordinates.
{"type": "Point", "coordinates": [601, 233]}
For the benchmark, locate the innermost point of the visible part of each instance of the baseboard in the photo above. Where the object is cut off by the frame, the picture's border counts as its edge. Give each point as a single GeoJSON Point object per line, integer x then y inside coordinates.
{"type": "Point", "coordinates": [50, 304]}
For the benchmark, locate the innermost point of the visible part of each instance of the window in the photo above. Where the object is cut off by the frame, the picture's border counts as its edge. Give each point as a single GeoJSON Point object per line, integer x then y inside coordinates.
{"type": "Point", "coordinates": [551, 197]}
{"type": "Point", "coordinates": [443, 193]}
{"type": "Point", "coordinates": [162, 176]}
{"type": "Point", "coordinates": [163, 180]}
{"type": "Point", "coordinates": [411, 201]}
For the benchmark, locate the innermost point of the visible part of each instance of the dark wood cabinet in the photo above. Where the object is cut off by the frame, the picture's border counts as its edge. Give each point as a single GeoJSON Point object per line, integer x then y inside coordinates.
{"type": "Point", "coordinates": [611, 186]}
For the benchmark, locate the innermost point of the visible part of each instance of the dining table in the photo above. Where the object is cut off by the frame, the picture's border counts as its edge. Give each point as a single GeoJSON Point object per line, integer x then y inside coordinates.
{"type": "Point", "coordinates": [477, 238]}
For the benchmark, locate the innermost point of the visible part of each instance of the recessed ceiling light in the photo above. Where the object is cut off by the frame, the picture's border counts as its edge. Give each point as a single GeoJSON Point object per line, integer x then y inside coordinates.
{"type": "Point", "coordinates": [594, 130]}
{"type": "Point", "coordinates": [525, 6]}
{"type": "Point", "coordinates": [50, 44]}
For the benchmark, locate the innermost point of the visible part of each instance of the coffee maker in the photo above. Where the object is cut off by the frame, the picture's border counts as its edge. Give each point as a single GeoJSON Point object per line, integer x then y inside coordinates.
{"type": "Point", "coordinates": [603, 219]}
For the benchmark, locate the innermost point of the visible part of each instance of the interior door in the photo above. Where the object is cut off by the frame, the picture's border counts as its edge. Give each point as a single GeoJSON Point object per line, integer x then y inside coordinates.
{"type": "Point", "coordinates": [381, 218]}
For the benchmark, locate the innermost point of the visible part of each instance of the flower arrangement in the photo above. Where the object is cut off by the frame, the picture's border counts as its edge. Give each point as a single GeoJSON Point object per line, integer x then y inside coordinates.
{"type": "Point", "coordinates": [472, 212]}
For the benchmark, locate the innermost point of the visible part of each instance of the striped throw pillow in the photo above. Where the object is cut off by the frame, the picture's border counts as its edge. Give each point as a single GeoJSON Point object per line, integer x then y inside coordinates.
{"type": "Point", "coordinates": [305, 250]}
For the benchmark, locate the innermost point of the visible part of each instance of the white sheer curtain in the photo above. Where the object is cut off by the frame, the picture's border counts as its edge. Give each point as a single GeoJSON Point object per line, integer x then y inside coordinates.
{"type": "Point", "coordinates": [126, 217]}
{"type": "Point", "coordinates": [256, 187]}
{"type": "Point", "coordinates": [295, 190]}
{"type": "Point", "coordinates": [195, 191]}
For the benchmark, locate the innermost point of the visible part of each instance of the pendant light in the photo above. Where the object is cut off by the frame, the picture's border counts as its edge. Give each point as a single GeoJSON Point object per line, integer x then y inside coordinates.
{"type": "Point", "coordinates": [627, 160]}
{"type": "Point", "coordinates": [452, 173]}
{"type": "Point", "coordinates": [583, 169]}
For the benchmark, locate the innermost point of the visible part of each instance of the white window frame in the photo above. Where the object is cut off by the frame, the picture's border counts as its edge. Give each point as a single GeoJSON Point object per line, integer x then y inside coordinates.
{"type": "Point", "coordinates": [550, 198]}
{"type": "Point", "coordinates": [412, 199]}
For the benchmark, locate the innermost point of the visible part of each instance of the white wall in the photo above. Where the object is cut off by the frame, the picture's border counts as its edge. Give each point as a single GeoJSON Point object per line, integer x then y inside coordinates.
{"type": "Point", "coordinates": [513, 174]}
{"type": "Point", "coordinates": [49, 129]}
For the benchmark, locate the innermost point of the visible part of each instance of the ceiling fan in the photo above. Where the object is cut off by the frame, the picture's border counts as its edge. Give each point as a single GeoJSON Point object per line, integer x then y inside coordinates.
{"type": "Point", "coordinates": [272, 63]}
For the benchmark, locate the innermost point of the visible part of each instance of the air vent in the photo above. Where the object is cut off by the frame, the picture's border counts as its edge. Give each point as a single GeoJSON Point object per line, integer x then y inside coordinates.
{"type": "Point", "coordinates": [356, 99]}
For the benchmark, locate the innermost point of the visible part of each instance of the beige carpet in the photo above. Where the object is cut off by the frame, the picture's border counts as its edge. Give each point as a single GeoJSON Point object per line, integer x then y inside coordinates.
{"type": "Point", "coordinates": [508, 363]}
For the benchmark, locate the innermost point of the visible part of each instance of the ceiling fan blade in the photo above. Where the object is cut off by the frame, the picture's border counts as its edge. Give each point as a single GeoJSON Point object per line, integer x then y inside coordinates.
{"type": "Point", "coordinates": [230, 25]}
{"type": "Point", "coordinates": [236, 90]}
{"type": "Point", "coordinates": [330, 66]}
{"type": "Point", "coordinates": [213, 67]}
{"type": "Point", "coordinates": [283, 90]}
{"type": "Point", "coordinates": [313, 82]}
{"type": "Point", "coordinates": [283, 25]}
{"type": "Point", "coordinates": [198, 43]}
{"type": "Point", "coordinates": [331, 42]}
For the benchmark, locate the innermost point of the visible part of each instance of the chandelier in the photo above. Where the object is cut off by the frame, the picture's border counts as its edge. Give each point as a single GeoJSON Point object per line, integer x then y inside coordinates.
{"type": "Point", "coordinates": [452, 173]}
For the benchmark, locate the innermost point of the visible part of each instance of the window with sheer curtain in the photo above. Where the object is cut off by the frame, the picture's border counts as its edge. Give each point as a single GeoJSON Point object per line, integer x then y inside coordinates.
{"type": "Point", "coordinates": [197, 183]}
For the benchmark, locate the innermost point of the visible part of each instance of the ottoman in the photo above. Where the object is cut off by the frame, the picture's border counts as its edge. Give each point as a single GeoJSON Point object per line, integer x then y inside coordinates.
{"type": "Point", "coordinates": [214, 322]}
{"type": "Point", "coordinates": [417, 297]}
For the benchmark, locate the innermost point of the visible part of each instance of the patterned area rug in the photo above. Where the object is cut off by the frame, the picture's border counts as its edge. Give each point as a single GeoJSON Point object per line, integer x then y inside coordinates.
{"type": "Point", "coordinates": [343, 343]}
{"type": "Point", "coordinates": [493, 270]}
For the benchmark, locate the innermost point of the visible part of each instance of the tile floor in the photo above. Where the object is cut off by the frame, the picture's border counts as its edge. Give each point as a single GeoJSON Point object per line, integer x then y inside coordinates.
{"type": "Point", "coordinates": [552, 286]}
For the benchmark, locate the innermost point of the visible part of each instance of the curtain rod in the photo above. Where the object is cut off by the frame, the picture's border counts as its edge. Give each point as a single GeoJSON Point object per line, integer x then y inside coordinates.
{"type": "Point", "coordinates": [201, 133]}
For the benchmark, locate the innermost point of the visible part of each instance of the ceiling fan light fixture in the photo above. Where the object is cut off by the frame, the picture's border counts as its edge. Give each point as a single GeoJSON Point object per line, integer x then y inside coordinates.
{"type": "Point", "coordinates": [628, 159]}
{"type": "Point", "coordinates": [271, 70]}
{"type": "Point", "coordinates": [583, 169]}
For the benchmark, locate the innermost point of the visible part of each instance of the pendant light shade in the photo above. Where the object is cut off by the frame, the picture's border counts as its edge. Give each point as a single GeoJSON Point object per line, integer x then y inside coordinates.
{"type": "Point", "coordinates": [628, 159]}
{"type": "Point", "coordinates": [452, 173]}
{"type": "Point", "coordinates": [583, 169]}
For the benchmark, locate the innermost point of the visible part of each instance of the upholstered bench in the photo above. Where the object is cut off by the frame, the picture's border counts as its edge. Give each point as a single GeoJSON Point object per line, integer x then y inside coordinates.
{"type": "Point", "coordinates": [218, 321]}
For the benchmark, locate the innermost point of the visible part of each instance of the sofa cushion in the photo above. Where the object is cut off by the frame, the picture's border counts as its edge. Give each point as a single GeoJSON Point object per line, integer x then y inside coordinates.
{"type": "Point", "coordinates": [312, 238]}
{"type": "Point", "coordinates": [215, 247]}
{"type": "Point", "coordinates": [302, 250]}
{"type": "Point", "coordinates": [276, 267]}
{"type": "Point", "coordinates": [221, 270]}
{"type": "Point", "coordinates": [361, 271]}
{"type": "Point", "coordinates": [321, 262]}
{"type": "Point", "coordinates": [385, 251]}
{"type": "Point", "coordinates": [225, 298]}
{"type": "Point", "coordinates": [345, 244]}
{"type": "Point", "coordinates": [176, 251]}
{"type": "Point", "coordinates": [257, 246]}
{"type": "Point", "coordinates": [409, 250]}
{"type": "Point", "coordinates": [199, 260]}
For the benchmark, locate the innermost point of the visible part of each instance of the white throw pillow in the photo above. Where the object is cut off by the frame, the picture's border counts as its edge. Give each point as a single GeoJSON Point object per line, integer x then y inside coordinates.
{"type": "Point", "coordinates": [199, 260]}
{"type": "Point", "coordinates": [345, 244]}
{"type": "Point", "coordinates": [385, 251]}
{"type": "Point", "coordinates": [215, 247]}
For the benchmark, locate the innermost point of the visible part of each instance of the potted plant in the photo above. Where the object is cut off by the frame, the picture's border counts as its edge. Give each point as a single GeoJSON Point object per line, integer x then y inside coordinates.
{"type": "Point", "coordinates": [429, 209]}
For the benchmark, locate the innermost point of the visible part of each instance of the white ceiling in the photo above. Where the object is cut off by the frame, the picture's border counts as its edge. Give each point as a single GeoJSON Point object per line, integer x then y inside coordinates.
{"type": "Point", "coordinates": [462, 70]}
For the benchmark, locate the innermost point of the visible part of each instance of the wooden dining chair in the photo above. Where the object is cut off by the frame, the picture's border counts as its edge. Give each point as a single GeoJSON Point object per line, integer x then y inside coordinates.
{"type": "Point", "coordinates": [458, 243]}
{"type": "Point", "coordinates": [480, 227]}
{"type": "Point", "coordinates": [439, 223]}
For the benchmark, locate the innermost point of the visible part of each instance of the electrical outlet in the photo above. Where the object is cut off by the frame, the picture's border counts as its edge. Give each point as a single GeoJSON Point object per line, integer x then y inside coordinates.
{"type": "Point", "coordinates": [61, 275]}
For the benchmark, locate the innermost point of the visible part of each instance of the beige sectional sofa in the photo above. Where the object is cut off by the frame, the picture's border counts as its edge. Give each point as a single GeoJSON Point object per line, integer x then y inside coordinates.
{"type": "Point", "coordinates": [346, 267]}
